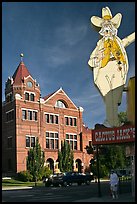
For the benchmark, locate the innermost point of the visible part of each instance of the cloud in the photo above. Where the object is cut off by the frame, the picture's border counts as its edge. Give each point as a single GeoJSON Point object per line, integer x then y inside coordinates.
{"type": "Point", "coordinates": [60, 52]}
{"type": "Point", "coordinates": [86, 99]}
{"type": "Point", "coordinates": [70, 34]}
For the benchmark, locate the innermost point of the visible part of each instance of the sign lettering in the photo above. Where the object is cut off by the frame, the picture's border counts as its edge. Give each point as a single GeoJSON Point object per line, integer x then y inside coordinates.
{"type": "Point", "coordinates": [113, 135]}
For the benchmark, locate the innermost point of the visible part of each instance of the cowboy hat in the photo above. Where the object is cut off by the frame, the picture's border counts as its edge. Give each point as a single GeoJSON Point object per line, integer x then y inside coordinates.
{"type": "Point", "coordinates": [106, 16]}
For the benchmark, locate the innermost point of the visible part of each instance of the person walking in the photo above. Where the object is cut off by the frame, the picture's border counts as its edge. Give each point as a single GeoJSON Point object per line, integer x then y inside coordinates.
{"type": "Point", "coordinates": [114, 181]}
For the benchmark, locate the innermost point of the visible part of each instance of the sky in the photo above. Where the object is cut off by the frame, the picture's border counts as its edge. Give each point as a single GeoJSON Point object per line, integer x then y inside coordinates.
{"type": "Point", "coordinates": [57, 39]}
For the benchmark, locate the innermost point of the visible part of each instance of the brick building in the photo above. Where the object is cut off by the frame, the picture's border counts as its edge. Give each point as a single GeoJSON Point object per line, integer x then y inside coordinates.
{"type": "Point", "coordinates": [53, 118]}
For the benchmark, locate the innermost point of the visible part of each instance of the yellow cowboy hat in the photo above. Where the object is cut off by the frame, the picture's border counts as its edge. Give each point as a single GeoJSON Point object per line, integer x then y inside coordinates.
{"type": "Point", "coordinates": [106, 15]}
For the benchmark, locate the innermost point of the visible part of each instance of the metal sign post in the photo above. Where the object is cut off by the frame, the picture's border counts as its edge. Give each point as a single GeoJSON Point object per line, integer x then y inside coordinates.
{"type": "Point", "coordinates": [98, 174]}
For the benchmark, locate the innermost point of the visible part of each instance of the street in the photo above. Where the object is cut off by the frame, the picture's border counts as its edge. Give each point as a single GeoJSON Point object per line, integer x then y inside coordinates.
{"type": "Point", "coordinates": [60, 194]}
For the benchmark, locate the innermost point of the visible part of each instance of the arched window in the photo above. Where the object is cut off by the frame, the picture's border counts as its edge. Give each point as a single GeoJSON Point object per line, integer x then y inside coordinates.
{"type": "Point", "coordinates": [29, 84]}
{"type": "Point", "coordinates": [60, 104]}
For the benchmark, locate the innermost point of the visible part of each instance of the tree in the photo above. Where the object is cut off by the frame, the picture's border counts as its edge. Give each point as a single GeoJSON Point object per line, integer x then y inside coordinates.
{"type": "Point", "coordinates": [89, 149]}
{"type": "Point", "coordinates": [35, 161]}
{"type": "Point", "coordinates": [122, 117]}
{"type": "Point", "coordinates": [110, 156]}
{"type": "Point", "coordinates": [65, 157]}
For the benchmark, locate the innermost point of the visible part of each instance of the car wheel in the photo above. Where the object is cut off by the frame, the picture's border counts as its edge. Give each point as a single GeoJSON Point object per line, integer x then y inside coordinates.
{"type": "Point", "coordinates": [65, 183]}
{"type": "Point", "coordinates": [87, 182]}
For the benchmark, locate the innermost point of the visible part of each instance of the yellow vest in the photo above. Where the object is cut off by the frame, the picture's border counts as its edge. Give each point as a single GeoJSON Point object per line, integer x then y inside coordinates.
{"type": "Point", "coordinates": [112, 47]}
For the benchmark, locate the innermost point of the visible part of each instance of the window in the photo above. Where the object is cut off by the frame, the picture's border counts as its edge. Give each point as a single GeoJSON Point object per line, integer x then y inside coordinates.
{"type": "Point", "coordinates": [60, 104]}
{"type": "Point", "coordinates": [47, 139]}
{"type": "Point", "coordinates": [67, 136]}
{"type": "Point", "coordinates": [72, 140]}
{"type": "Point", "coordinates": [27, 141]}
{"type": "Point", "coordinates": [29, 84]}
{"type": "Point", "coordinates": [29, 115]}
{"type": "Point", "coordinates": [75, 121]}
{"type": "Point", "coordinates": [75, 145]}
{"type": "Point", "coordinates": [24, 114]}
{"type": "Point", "coordinates": [67, 120]}
{"type": "Point", "coordinates": [34, 115]}
{"type": "Point", "coordinates": [32, 97]}
{"type": "Point", "coordinates": [47, 143]}
{"type": "Point", "coordinates": [47, 118]}
{"type": "Point", "coordinates": [70, 121]}
{"type": "Point", "coordinates": [50, 118]}
{"type": "Point", "coordinates": [29, 96]}
{"type": "Point", "coordinates": [26, 96]}
{"type": "Point", "coordinates": [71, 144]}
{"type": "Point", "coordinates": [51, 144]}
{"type": "Point", "coordinates": [30, 141]}
{"type": "Point", "coordinates": [56, 141]}
{"type": "Point", "coordinates": [52, 140]}
{"type": "Point", "coordinates": [56, 119]}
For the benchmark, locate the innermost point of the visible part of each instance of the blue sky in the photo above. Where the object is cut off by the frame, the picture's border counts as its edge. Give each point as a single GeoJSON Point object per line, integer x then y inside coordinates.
{"type": "Point", "coordinates": [57, 39]}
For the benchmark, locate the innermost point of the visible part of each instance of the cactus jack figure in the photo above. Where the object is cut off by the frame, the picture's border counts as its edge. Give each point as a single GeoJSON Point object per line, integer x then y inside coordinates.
{"type": "Point", "coordinates": [109, 63]}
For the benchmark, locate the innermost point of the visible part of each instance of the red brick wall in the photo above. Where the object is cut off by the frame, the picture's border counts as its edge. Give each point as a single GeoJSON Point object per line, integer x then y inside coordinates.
{"type": "Point", "coordinates": [19, 128]}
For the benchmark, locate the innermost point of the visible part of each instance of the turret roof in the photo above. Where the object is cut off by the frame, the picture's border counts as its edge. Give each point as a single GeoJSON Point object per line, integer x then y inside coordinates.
{"type": "Point", "coordinates": [20, 73]}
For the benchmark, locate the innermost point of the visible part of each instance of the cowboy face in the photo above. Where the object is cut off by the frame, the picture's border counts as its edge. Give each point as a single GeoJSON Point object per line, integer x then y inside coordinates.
{"type": "Point", "coordinates": [108, 30]}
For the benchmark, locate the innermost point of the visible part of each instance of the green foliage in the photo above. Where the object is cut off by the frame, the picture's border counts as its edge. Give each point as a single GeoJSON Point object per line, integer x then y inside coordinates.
{"type": "Point", "coordinates": [46, 172]}
{"type": "Point", "coordinates": [110, 157]}
{"type": "Point", "coordinates": [35, 161]}
{"type": "Point", "coordinates": [24, 176]}
{"type": "Point", "coordinates": [89, 149]}
{"type": "Point", "coordinates": [14, 182]}
{"type": "Point", "coordinates": [122, 117]}
{"type": "Point", "coordinates": [65, 157]}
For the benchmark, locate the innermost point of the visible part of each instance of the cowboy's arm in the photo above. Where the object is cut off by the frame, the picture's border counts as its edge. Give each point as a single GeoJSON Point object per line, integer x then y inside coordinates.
{"type": "Point", "coordinates": [91, 61]}
{"type": "Point", "coordinates": [128, 40]}
{"type": "Point", "coordinates": [93, 57]}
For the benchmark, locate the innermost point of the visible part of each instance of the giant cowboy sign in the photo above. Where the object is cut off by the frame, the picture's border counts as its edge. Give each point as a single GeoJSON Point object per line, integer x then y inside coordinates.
{"type": "Point", "coordinates": [109, 63]}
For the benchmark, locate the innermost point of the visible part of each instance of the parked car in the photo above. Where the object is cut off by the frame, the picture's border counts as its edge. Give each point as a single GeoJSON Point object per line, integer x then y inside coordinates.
{"type": "Point", "coordinates": [68, 178]}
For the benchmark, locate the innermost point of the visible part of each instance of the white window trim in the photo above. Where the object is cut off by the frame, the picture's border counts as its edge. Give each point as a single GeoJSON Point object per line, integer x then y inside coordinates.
{"type": "Point", "coordinates": [9, 111]}
{"type": "Point", "coordinates": [51, 113]}
{"type": "Point", "coordinates": [55, 138]}
{"type": "Point", "coordinates": [52, 132]}
{"type": "Point", "coordinates": [70, 116]}
{"type": "Point", "coordinates": [29, 109]}
{"type": "Point", "coordinates": [30, 92]}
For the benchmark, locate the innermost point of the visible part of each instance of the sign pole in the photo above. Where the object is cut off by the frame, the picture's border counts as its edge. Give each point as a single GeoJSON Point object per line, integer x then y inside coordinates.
{"type": "Point", "coordinates": [97, 155]}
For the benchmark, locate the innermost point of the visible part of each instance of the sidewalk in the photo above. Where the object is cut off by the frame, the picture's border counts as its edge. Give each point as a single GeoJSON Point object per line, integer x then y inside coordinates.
{"type": "Point", "coordinates": [125, 197]}
{"type": "Point", "coordinates": [15, 187]}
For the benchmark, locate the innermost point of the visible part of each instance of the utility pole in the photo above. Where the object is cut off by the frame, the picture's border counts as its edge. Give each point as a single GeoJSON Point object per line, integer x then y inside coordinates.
{"type": "Point", "coordinates": [98, 174]}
